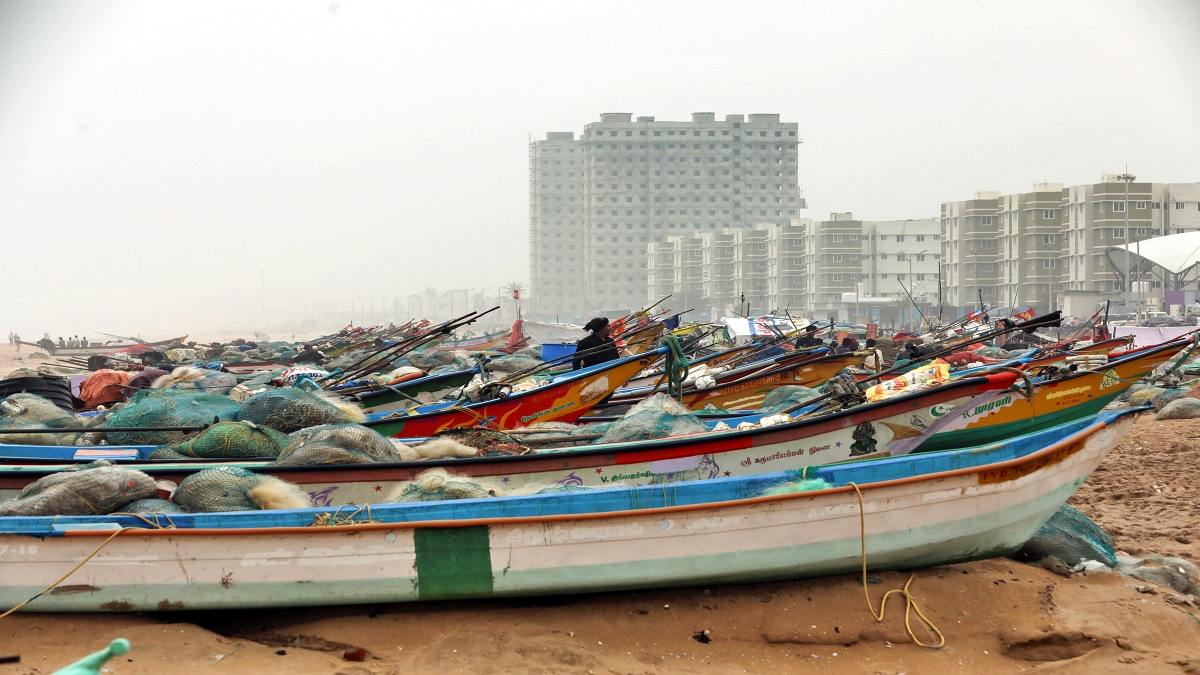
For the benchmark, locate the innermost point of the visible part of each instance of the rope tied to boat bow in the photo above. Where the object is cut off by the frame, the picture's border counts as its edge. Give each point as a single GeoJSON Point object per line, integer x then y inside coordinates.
{"type": "Point", "coordinates": [910, 602]}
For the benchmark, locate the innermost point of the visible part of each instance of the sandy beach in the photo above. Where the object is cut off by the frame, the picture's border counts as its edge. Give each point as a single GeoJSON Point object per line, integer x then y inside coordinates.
{"type": "Point", "coordinates": [998, 616]}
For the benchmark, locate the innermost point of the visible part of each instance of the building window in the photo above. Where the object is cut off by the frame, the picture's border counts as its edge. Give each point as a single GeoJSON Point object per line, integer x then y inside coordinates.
{"type": "Point", "coordinates": [1049, 264]}
{"type": "Point", "coordinates": [985, 220]}
{"type": "Point", "coordinates": [900, 237]}
{"type": "Point", "coordinates": [1048, 214]}
{"type": "Point", "coordinates": [837, 277]}
{"type": "Point", "coordinates": [1118, 207]}
{"type": "Point", "coordinates": [1118, 233]}
{"type": "Point", "coordinates": [837, 258]}
{"type": "Point", "coordinates": [987, 290]}
{"type": "Point", "coordinates": [1141, 206]}
{"type": "Point", "coordinates": [837, 237]}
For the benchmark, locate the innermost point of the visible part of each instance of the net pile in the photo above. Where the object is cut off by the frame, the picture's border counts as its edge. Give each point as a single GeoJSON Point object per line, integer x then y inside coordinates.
{"type": "Point", "coordinates": [230, 440]}
{"type": "Point", "coordinates": [487, 442]}
{"type": "Point", "coordinates": [658, 416]}
{"type": "Point", "coordinates": [512, 364]}
{"type": "Point", "coordinates": [788, 396]}
{"type": "Point", "coordinates": [232, 488]}
{"type": "Point", "coordinates": [152, 506]}
{"type": "Point", "coordinates": [95, 489]}
{"type": "Point", "coordinates": [1067, 539]}
{"type": "Point", "coordinates": [291, 409]}
{"type": "Point", "coordinates": [166, 408]}
{"type": "Point", "coordinates": [437, 486]}
{"type": "Point", "coordinates": [337, 444]}
{"type": "Point", "coordinates": [435, 359]}
{"type": "Point", "coordinates": [30, 411]}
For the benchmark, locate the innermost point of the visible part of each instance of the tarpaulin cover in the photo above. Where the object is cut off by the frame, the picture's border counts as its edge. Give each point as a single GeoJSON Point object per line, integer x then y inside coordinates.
{"type": "Point", "coordinates": [538, 333]}
{"type": "Point", "coordinates": [1145, 336]}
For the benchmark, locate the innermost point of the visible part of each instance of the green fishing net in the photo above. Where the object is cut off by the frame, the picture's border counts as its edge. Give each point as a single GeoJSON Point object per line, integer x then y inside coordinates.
{"type": "Point", "coordinates": [337, 444]}
{"type": "Point", "coordinates": [166, 408]}
{"type": "Point", "coordinates": [232, 440]}
{"type": "Point", "coordinates": [290, 409]}
{"type": "Point", "coordinates": [29, 411]}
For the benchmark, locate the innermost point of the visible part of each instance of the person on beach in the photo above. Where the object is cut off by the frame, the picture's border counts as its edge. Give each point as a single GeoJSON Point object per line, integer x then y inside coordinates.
{"type": "Point", "coordinates": [875, 360]}
{"type": "Point", "coordinates": [809, 338]}
{"type": "Point", "coordinates": [596, 348]}
{"type": "Point", "coordinates": [17, 341]}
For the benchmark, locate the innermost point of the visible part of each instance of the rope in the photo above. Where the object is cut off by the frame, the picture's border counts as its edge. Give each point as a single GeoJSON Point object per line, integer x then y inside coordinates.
{"type": "Point", "coordinates": [676, 366]}
{"type": "Point", "coordinates": [910, 603]}
{"type": "Point", "coordinates": [73, 569]}
{"type": "Point", "coordinates": [336, 519]}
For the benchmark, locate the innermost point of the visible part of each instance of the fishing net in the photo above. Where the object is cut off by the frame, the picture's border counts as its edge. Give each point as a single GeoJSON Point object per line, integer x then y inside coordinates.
{"type": "Point", "coordinates": [994, 353]}
{"type": "Point", "coordinates": [291, 409]}
{"type": "Point", "coordinates": [1145, 395]}
{"type": "Point", "coordinates": [95, 489]}
{"type": "Point", "coordinates": [152, 506]}
{"type": "Point", "coordinates": [429, 360]}
{"type": "Point", "coordinates": [232, 488]}
{"type": "Point", "coordinates": [1162, 399]}
{"type": "Point", "coordinates": [166, 454]}
{"type": "Point", "coordinates": [232, 439]}
{"type": "Point", "coordinates": [487, 442]}
{"type": "Point", "coordinates": [790, 486]}
{"type": "Point", "coordinates": [640, 425]}
{"type": "Point", "coordinates": [29, 411]}
{"type": "Point", "coordinates": [1180, 409]}
{"type": "Point", "coordinates": [782, 398]}
{"type": "Point", "coordinates": [337, 444]}
{"type": "Point", "coordinates": [533, 352]}
{"type": "Point", "coordinates": [1069, 537]}
{"type": "Point", "coordinates": [512, 364]}
{"type": "Point", "coordinates": [166, 408]}
{"type": "Point", "coordinates": [562, 432]}
{"type": "Point", "coordinates": [438, 487]}
{"type": "Point", "coordinates": [202, 379]}
{"type": "Point", "coordinates": [1174, 573]}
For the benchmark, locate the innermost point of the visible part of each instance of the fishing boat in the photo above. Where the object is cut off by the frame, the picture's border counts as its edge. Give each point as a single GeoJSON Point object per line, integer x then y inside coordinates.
{"type": "Point", "coordinates": [1051, 403]}
{"type": "Point", "coordinates": [873, 430]}
{"type": "Point", "coordinates": [745, 388]}
{"type": "Point", "coordinates": [903, 512]}
{"type": "Point", "coordinates": [475, 344]}
{"type": "Point", "coordinates": [420, 391]}
{"type": "Point", "coordinates": [109, 347]}
{"type": "Point", "coordinates": [563, 398]}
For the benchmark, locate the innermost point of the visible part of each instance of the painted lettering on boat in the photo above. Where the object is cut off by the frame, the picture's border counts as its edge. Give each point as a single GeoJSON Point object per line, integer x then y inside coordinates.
{"type": "Point", "coordinates": [1067, 392]}
{"type": "Point", "coordinates": [626, 476]}
{"type": "Point", "coordinates": [543, 413]}
{"type": "Point", "coordinates": [556, 534]}
{"type": "Point", "coordinates": [987, 407]}
{"type": "Point", "coordinates": [1026, 468]}
{"type": "Point", "coordinates": [790, 453]}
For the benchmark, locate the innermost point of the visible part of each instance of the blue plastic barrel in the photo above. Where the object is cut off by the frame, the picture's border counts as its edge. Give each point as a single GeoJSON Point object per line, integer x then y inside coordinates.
{"type": "Point", "coordinates": [555, 351]}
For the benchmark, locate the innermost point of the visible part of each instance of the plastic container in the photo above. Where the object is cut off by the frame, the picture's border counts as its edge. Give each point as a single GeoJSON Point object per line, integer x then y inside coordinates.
{"type": "Point", "coordinates": [551, 351]}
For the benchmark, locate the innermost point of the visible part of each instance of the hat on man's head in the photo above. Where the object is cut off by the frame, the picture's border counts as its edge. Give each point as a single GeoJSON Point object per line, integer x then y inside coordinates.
{"type": "Point", "coordinates": [596, 324]}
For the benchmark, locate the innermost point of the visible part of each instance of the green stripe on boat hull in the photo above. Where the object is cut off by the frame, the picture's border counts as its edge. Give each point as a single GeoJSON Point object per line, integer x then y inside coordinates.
{"type": "Point", "coordinates": [964, 438]}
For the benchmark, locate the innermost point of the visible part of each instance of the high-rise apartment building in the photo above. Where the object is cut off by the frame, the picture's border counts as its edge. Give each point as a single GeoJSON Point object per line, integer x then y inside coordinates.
{"type": "Point", "coordinates": [1029, 247]}
{"type": "Point", "coordinates": [627, 183]}
{"type": "Point", "coordinates": [785, 264]}
{"type": "Point", "coordinates": [900, 258]}
{"type": "Point", "coordinates": [556, 226]}
{"type": "Point", "coordinates": [968, 241]}
{"type": "Point", "coordinates": [832, 261]}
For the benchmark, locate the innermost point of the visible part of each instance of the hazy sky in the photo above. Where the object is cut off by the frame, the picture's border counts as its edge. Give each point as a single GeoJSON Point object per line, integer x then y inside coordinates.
{"type": "Point", "coordinates": [154, 157]}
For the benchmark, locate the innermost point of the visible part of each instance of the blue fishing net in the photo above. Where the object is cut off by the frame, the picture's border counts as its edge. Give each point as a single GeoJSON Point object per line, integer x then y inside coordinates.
{"type": "Point", "coordinates": [788, 396]}
{"type": "Point", "coordinates": [1069, 537]}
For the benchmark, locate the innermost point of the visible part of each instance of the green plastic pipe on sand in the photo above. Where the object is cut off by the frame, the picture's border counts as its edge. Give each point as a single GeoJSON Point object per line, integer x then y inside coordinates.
{"type": "Point", "coordinates": [90, 664]}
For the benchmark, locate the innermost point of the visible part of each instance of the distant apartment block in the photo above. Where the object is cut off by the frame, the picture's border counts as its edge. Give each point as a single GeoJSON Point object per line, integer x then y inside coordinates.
{"type": "Point", "coordinates": [1033, 247]}
{"type": "Point", "coordinates": [625, 184]}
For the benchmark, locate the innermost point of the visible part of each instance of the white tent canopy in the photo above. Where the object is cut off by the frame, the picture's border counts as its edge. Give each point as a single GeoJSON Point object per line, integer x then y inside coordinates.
{"type": "Point", "coordinates": [1175, 253]}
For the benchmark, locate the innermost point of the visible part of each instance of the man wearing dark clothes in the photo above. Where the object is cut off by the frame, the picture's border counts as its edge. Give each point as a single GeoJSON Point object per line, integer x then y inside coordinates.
{"type": "Point", "coordinates": [596, 348]}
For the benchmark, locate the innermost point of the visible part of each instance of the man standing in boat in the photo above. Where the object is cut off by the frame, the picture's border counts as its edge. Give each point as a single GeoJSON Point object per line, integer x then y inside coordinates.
{"type": "Point", "coordinates": [596, 348]}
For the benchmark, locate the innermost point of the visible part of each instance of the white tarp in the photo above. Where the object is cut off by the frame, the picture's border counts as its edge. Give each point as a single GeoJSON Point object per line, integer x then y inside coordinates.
{"type": "Point", "coordinates": [743, 330]}
{"type": "Point", "coordinates": [1174, 252]}
{"type": "Point", "coordinates": [539, 333]}
{"type": "Point", "coordinates": [1145, 336]}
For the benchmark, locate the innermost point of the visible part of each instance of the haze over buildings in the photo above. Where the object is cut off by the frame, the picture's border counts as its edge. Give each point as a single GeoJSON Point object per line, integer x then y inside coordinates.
{"type": "Point", "coordinates": [169, 168]}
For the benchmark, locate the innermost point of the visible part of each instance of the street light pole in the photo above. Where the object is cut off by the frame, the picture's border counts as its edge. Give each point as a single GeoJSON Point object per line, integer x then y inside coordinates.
{"type": "Point", "coordinates": [1126, 178]}
{"type": "Point", "coordinates": [912, 283]}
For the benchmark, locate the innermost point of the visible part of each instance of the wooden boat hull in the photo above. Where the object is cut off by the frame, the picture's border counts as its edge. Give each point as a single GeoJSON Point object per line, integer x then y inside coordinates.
{"type": "Point", "coordinates": [920, 511]}
{"type": "Point", "coordinates": [563, 402]}
{"type": "Point", "coordinates": [479, 344]}
{"type": "Point", "coordinates": [642, 341]}
{"type": "Point", "coordinates": [1053, 403]}
{"type": "Point", "coordinates": [425, 390]}
{"type": "Point", "coordinates": [869, 431]}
